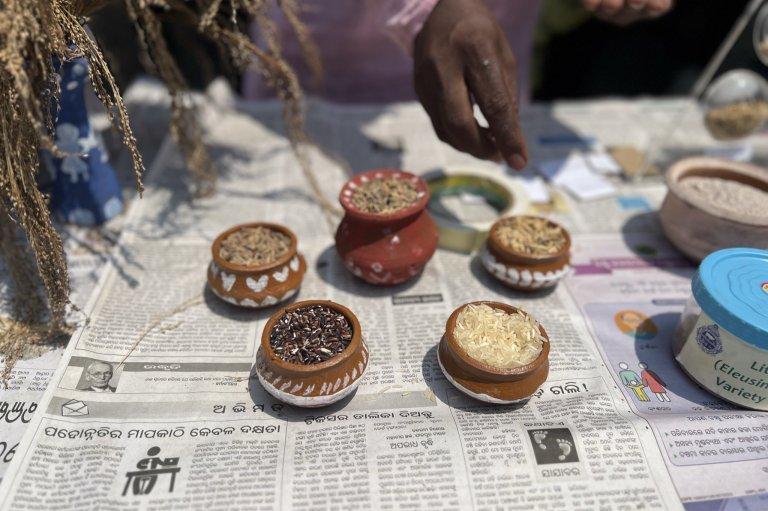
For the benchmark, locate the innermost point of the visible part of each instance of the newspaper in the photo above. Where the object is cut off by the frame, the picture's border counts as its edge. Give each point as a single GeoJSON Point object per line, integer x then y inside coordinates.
{"type": "Point", "coordinates": [185, 423]}
{"type": "Point", "coordinates": [30, 377]}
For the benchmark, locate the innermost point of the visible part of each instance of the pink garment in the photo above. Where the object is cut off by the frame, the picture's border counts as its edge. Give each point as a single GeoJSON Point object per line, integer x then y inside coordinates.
{"type": "Point", "coordinates": [362, 43]}
{"type": "Point", "coordinates": [652, 381]}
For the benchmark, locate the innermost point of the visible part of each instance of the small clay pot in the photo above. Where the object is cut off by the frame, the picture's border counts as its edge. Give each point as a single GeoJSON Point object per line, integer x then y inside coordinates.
{"type": "Point", "coordinates": [386, 248]}
{"type": "Point", "coordinates": [256, 286]}
{"type": "Point", "coordinates": [482, 381]}
{"type": "Point", "coordinates": [312, 385]}
{"type": "Point", "coordinates": [698, 228]}
{"type": "Point", "coordinates": [524, 272]}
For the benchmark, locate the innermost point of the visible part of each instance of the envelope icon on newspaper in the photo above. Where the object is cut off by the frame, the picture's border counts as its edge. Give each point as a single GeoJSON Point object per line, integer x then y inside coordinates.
{"type": "Point", "coordinates": [74, 408]}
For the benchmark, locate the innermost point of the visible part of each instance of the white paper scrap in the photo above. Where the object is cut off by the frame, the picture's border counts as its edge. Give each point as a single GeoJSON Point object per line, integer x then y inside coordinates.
{"type": "Point", "coordinates": [551, 168]}
{"type": "Point", "coordinates": [734, 152]}
{"type": "Point", "coordinates": [589, 186]}
{"type": "Point", "coordinates": [603, 163]}
{"type": "Point", "coordinates": [558, 170]}
{"type": "Point", "coordinates": [535, 188]}
{"type": "Point", "coordinates": [577, 177]}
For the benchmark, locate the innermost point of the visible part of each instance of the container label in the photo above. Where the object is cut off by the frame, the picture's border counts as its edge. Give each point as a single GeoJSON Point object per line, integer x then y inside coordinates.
{"type": "Point", "coordinates": [725, 365]}
{"type": "Point", "coordinates": [708, 339]}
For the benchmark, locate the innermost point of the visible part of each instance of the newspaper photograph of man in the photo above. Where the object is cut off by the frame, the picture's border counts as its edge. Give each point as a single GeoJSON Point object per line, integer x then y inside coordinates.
{"type": "Point", "coordinates": [98, 375]}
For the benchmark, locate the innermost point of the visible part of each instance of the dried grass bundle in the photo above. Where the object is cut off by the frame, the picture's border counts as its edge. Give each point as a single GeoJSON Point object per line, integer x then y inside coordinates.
{"type": "Point", "coordinates": [36, 33]}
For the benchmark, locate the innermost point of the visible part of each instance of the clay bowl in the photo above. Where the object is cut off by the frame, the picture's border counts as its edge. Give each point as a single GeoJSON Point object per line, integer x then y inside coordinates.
{"type": "Point", "coordinates": [256, 286]}
{"type": "Point", "coordinates": [386, 249]}
{"type": "Point", "coordinates": [524, 272]}
{"type": "Point", "coordinates": [488, 383]}
{"type": "Point", "coordinates": [314, 385]}
{"type": "Point", "coordinates": [698, 227]}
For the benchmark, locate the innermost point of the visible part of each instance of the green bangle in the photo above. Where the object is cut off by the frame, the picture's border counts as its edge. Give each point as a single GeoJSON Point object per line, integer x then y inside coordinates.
{"type": "Point", "coordinates": [501, 192]}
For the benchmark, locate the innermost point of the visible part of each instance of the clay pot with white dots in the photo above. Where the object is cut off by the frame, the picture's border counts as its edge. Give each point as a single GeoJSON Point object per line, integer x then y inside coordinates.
{"type": "Point", "coordinates": [526, 270]}
{"type": "Point", "coordinates": [389, 247]}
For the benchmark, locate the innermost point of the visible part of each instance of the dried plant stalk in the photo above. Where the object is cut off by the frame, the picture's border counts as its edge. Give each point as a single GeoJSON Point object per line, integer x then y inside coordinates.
{"type": "Point", "coordinates": [33, 35]}
{"type": "Point", "coordinates": [278, 74]}
{"type": "Point", "coordinates": [28, 326]}
{"type": "Point", "coordinates": [29, 306]}
{"type": "Point", "coordinates": [309, 49]}
{"type": "Point", "coordinates": [185, 129]}
{"type": "Point", "coordinates": [36, 33]}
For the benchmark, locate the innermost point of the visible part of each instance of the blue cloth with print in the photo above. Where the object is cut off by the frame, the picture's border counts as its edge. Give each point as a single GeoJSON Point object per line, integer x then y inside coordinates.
{"type": "Point", "coordinates": [85, 188]}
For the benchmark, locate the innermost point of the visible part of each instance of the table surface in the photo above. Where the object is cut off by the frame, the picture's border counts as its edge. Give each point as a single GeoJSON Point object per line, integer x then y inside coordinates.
{"type": "Point", "coordinates": [184, 360]}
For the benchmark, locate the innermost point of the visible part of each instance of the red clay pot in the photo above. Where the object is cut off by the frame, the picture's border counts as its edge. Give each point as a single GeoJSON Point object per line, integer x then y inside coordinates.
{"type": "Point", "coordinates": [386, 249]}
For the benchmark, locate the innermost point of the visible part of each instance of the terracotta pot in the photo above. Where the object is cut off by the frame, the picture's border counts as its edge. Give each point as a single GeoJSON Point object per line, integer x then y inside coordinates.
{"type": "Point", "coordinates": [524, 272]}
{"type": "Point", "coordinates": [386, 249]}
{"type": "Point", "coordinates": [697, 227]}
{"type": "Point", "coordinates": [313, 385]}
{"type": "Point", "coordinates": [484, 382]}
{"type": "Point", "coordinates": [256, 286]}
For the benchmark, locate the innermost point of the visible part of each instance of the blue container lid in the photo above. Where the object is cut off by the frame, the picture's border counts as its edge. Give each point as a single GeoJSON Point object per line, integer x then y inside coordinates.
{"type": "Point", "coordinates": [731, 287]}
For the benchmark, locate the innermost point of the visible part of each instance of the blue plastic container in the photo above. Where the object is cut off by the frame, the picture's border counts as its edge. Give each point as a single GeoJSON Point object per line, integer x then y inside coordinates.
{"type": "Point", "coordinates": [723, 336]}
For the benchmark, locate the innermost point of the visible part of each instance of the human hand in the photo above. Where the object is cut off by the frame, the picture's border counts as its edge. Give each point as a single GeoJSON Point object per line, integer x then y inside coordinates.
{"type": "Point", "coordinates": [627, 11]}
{"type": "Point", "coordinates": [459, 54]}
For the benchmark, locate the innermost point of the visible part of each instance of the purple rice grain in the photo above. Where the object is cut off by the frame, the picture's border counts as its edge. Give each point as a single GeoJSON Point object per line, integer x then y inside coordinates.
{"type": "Point", "coordinates": [310, 335]}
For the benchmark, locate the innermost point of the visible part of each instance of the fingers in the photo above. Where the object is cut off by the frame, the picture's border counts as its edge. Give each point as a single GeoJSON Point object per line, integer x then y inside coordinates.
{"type": "Point", "coordinates": [459, 124]}
{"type": "Point", "coordinates": [461, 53]}
{"type": "Point", "coordinates": [447, 102]}
{"type": "Point", "coordinates": [492, 81]}
{"type": "Point", "coordinates": [659, 6]}
{"type": "Point", "coordinates": [612, 7]}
